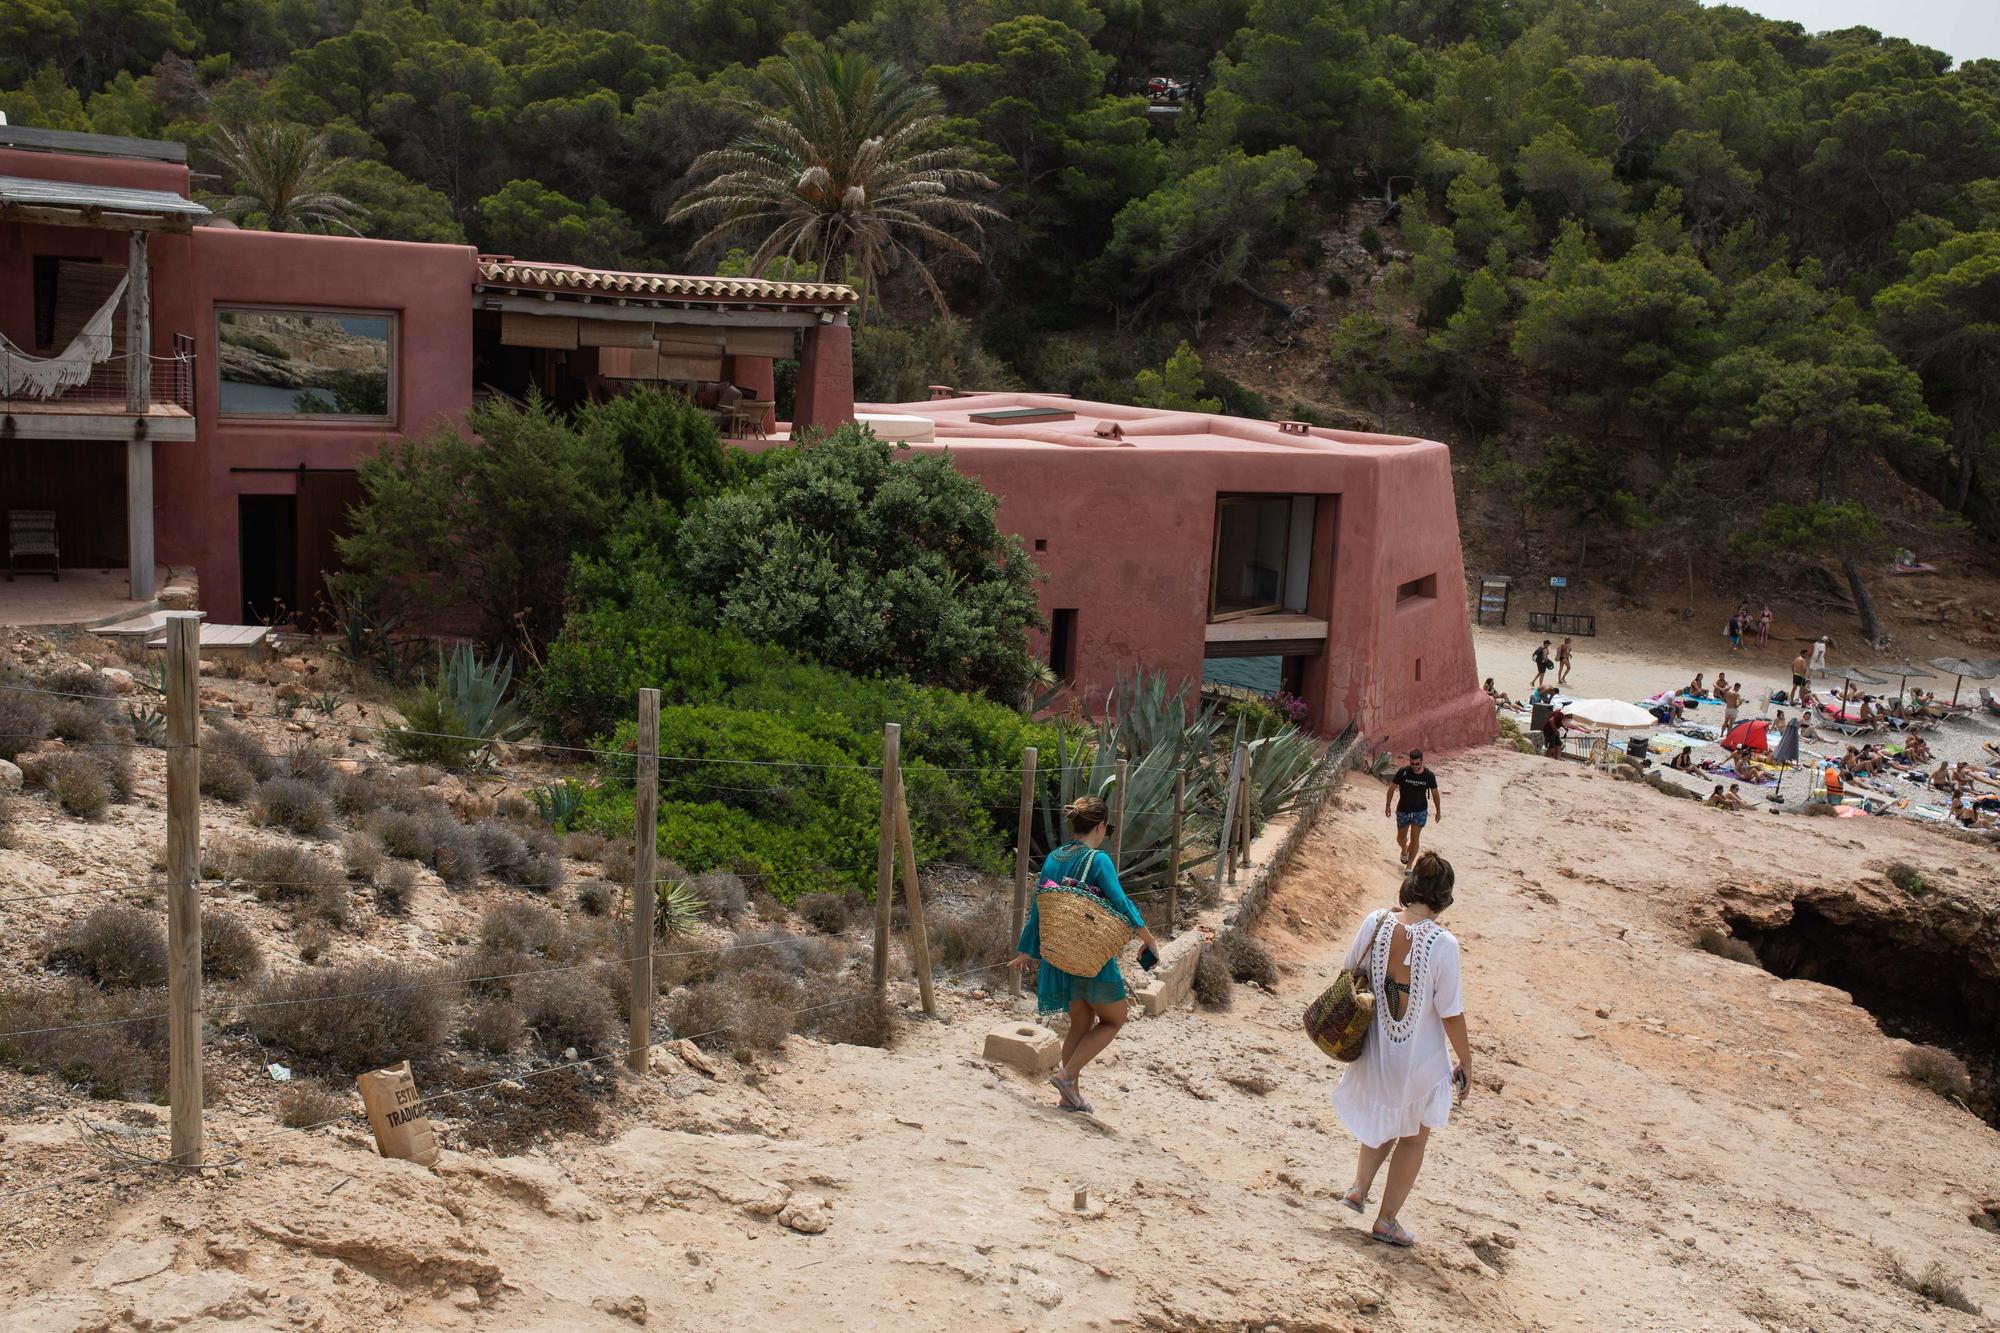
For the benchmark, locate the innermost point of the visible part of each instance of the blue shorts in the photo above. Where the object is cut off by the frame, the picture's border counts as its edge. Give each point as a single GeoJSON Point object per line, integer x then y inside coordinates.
{"type": "Point", "coordinates": [1412, 818]}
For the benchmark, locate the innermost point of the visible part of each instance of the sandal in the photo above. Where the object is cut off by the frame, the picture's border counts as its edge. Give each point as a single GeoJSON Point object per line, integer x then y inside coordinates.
{"type": "Point", "coordinates": [1071, 1099]}
{"type": "Point", "coordinates": [1355, 1199]}
{"type": "Point", "coordinates": [1392, 1233]}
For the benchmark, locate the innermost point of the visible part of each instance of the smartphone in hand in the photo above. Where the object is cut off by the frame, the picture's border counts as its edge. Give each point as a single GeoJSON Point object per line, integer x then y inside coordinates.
{"type": "Point", "coordinates": [1148, 958]}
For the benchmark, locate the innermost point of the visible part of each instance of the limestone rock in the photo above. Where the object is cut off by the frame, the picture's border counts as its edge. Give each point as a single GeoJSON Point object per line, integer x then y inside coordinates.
{"type": "Point", "coordinates": [129, 1263]}
{"type": "Point", "coordinates": [806, 1215]}
{"type": "Point", "coordinates": [1028, 1047]}
{"type": "Point", "coordinates": [120, 678]}
{"type": "Point", "coordinates": [632, 1308]}
{"type": "Point", "coordinates": [10, 776]}
{"type": "Point", "coordinates": [691, 1056]}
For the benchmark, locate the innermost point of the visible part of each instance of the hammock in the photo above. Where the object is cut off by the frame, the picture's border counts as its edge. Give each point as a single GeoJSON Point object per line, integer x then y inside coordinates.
{"type": "Point", "coordinates": [48, 377]}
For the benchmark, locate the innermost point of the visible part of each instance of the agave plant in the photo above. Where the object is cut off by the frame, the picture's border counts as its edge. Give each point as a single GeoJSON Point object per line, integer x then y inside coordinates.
{"type": "Point", "coordinates": [1088, 765]}
{"type": "Point", "coordinates": [558, 802]}
{"type": "Point", "coordinates": [478, 692]}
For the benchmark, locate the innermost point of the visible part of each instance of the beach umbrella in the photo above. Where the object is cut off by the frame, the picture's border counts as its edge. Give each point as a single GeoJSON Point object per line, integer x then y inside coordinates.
{"type": "Point", "coordinates": [1754, 733]}
{"type": "Point", "coordinates": [1959, 667]}
{"type": "Point", "coordinates": [1611, 714]}
{"type": "Point", "coordinates": [1903, 671]}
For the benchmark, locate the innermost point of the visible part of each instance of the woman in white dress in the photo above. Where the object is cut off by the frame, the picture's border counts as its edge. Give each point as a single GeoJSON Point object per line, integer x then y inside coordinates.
{"type": "Point", "coordinates": [1405, 1083]}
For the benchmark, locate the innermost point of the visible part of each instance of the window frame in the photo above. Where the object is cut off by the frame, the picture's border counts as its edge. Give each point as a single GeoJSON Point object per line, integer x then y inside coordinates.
{"type": "Point", "coordinates": [1292, 498]}
{"type": "Point", "coordinates": [394, 318]}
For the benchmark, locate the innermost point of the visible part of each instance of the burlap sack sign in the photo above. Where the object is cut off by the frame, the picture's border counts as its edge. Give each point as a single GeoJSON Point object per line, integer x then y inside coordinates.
{"type": "Point", "coordinates": [395, 1113]}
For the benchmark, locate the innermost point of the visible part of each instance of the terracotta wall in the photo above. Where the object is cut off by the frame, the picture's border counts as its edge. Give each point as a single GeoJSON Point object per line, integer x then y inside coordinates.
{"type": "Point", "coordinates": [428, 288]}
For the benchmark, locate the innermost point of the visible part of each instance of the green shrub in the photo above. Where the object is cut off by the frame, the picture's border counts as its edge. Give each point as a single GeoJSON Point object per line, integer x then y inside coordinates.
{"type": "Point", "coordinates": [116, 946]}
{"type": "Point", "coordinates": [355, 1017]}
{"type": "Point", "coordinates": [1371, 240]}
{"type": "Point", "coordinates": [432, 731]}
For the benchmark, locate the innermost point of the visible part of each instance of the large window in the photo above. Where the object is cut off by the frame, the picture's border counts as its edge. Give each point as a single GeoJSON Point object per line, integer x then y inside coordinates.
{"type": "Point", "coordinates": [306, 363]}
{"type": "Point", "coordinates": [1263, 554]}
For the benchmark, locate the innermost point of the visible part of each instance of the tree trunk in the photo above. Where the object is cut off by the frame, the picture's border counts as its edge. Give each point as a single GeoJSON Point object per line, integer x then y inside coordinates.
{"type": "Point", "coordinates": [1261, 299]}
{"type": "Point", "coordinates": [1871, 627]}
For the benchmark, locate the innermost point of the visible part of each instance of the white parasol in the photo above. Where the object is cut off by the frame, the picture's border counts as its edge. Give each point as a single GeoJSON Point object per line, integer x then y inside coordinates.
{"type": "Point", "coordinates": [1611, 714]}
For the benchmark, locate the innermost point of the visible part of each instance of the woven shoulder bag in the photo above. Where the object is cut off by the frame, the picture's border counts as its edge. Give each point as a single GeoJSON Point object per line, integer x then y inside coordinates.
{"type": "Point", "coordinates": [1338, 1021]}
{"type": "Point", "coordinates": [1080, 932]}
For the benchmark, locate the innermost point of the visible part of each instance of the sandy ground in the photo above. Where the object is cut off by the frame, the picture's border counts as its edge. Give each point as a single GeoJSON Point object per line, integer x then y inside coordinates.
{"type": "Point", "coordinates": [1657, 1139]}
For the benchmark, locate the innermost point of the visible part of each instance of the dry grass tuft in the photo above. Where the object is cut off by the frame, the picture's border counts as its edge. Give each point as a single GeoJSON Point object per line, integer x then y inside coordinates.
{"type": "Point", "coordinates": [1939, 1070]}
{"type": "Point", "coordinates": [594, 897]}
{"type": "Point", "coordinates": [220, 740]}
{"type": "Point", "coordinates": [828, 913]}
{"type": "Point", "coordinates": [308, 1104]}
{"type": "Point", "coordinates": [742, 1013]}
{"type": "Point", "coordinates": [24, 718]}
{"type": "Point", "coordinates": [363, 855]}
{"type": "Point", "coordinates": [395, 890]}
{"type": "Point", "coordinates": [969, 936]}
{"type": "Point", "coordinates": [494, 1027]}
{"type": "Point", "coordinates": [850, 1015]}
{"type": "Point", "coordinates": [117, 947]}
{"type": "Point", "coordinates": [724, 893]}
{"type": "Point", "coordinates": [1934, 1285]}
{"type": "Point", "coordinates": [1246, 959]}
{"type": "Point", "coordinates": [76, 780]}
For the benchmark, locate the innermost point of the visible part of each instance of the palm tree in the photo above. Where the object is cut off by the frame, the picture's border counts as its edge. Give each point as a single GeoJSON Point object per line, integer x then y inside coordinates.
{"type": "Point", "coordinates": [281, 170]}
{"type": "Point", "coordinates": [841, 173]}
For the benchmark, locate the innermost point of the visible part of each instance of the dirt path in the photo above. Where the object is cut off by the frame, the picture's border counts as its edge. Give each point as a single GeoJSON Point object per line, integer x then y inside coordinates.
{"type": "Point", "coordinates": [1658, 1139]}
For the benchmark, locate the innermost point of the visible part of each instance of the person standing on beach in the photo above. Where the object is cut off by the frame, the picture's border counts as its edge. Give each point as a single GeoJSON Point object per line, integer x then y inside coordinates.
{"type": "Point", "coordinates": [1735, 633]}
{"type": "Point", "coordinates": [1408, 791]}
{"type": "Point", "coordinates": [1562, 662]}
{"type": "Point", "coordinates": [1764, 627]}
{"type": "Point", "coordinates": [1417, 1062]}
{"type": "Point", "coordinates": [1799, 668]}
{"type": "Point", "coordinates": [1542, 663]}
{"type": "Point", "coordinates": [1819, 656]}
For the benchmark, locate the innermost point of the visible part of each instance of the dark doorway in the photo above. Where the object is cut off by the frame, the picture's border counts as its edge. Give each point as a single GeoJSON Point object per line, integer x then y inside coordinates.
{"type": "Point", "coordinates": [267, 529]}
{"type": "Point", "coordinates": [325, 501]}
{"type": "Point", "coordinates": [1062, 643]}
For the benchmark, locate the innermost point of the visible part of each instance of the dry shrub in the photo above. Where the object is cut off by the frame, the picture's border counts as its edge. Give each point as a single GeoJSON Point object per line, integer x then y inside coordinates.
{"type": "Point", "coordinates": [363, 855]}
{"type": "Point", "coordinates": [519, 854]}
{"type": "Point", "coordinates": [510, 1118]}
{"type": "Point", "coordinates": [229, 948]}
{"type": "Point", "coordinates": [528, 928]}
{"type": "Point", "coordinates": [1906, 877]}
{"type": "Point", "coordinates": [80, 723]}
{"type": "Point", "coordinates": [1724, 945]}
{"type": "Point", "coordinates": [403, 833]}
{"type": "Point", "coordinates": [1214, 987]}
{"type": "Point", "coordinates": [221, 739]}
{"type": "Point", "coordinates": [308, 1104]}
{"type": "Point", "coordinates": [594, 897]}
{"type": "Point", "coordinates": [567, 1009]}
{"type": "Point", "coordinates": [282, 872]}
{"type": "Point", "coordinates": [224, 778]}
{"type": "Point", "coordinates": [7, 815]}
{"type": "Point", "coordinates": [829, 913]}
{"type": "Point", "coordinates": [77, 679]}
{"type": "Point", "coordinates": [1939, 1070]}
{"type": "Point", "coordinates": [798, 955]}
{"type": "Point", "coordinates": [514, 806]}
{"type": "Point", "coordinates": [395, 890]}
{"type": "Point", "coordinates": [24, 717]}
{"type": "Point", "coordinates": [313, 942]}
{"type": "Point", "coordinates": [720, 1016]}
{"type": "Point", "coordinates": [724, 893]}
{"type": "Point", "coordinates": [355, 1017]}
{"type": "Point", "coordinates": [850, 1015]}
{"type": "Point", "coordinates": [583, 846]}
{"type": "Point", "coordinates": [117, 947]}
{"type": "Point", "coordinates": [306, 762]}
{"type": "Point", "coordinates": [1935, 1285]}
{"type": "Point", "coordinates": [1246, 959]}
{"type": "Point", "coordinates": [293, 804]}
{"type": "Point", "coordinates": [455, 855]}
{"type": "Point", "coordinates": [76, 780]}
{"type": "Point", "coordinates": [115, 1057]}
{"type": "Point", "coordinates": [493, 1027]}
{"type": "Point", "coordinates": [358, 794]}
{"type": "Point", "coordinates": [971, 936]}
{"type": "Point", "coordinates": [617, 862]}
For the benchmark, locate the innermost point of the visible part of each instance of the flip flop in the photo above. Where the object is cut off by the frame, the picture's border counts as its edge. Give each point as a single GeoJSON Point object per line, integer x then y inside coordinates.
{"type": "Point", "coordinates": [1355, 1201]}
{"type": "Point", "coordinates": [1394, 1234]}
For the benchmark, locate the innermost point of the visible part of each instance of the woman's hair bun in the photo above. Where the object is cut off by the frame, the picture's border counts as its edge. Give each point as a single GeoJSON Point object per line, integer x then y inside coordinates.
{"type": "Point", "coordinates": [1428, 882]}
{"type": "Point", "coordinates": [1086, 813]}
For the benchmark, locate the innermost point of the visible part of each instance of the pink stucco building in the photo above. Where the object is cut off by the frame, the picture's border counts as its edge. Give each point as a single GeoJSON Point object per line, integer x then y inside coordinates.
{"type": "Point", "coordinates": [262, 366]}
{"type": "Point", "coordinates": [228, 381]}
{"type": "Point", "coordinates": [1273, 555]}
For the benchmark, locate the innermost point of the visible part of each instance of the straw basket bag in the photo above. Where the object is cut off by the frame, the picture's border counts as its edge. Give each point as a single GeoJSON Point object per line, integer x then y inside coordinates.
{"type": "Point", "coordinates": [1338, 1021]}
{"type": "Point", "coordinates": [1080, 934]}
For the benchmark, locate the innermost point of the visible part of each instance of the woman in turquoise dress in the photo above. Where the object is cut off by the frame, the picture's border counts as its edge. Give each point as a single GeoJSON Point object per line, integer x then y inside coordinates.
{"type": "Point", "coordinates": [1096, 1005]}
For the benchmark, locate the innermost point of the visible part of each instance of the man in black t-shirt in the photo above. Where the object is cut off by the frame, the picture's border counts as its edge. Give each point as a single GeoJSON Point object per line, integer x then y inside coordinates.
{"type": "Point", "coordinates": [1407, 792]}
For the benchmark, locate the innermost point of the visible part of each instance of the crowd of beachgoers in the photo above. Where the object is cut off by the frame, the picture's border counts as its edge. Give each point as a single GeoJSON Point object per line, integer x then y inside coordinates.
{"type": "Point", "coordinates": [1859, 742]}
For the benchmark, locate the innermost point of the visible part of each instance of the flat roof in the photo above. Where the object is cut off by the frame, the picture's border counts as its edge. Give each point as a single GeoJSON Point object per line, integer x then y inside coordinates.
{"type": "Point", "coordinates": [96, 145]}
{"type": "Point", "coordinates": [29, 195]}
{"type": "Point", "coordinates": [1012, 419]}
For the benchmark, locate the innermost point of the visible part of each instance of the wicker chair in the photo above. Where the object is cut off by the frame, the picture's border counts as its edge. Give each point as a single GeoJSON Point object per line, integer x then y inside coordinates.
{"type": "Point", "coordinates": [32, 532]}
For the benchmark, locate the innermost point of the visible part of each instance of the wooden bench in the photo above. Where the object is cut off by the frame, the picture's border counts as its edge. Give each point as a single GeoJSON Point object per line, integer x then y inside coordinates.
{"type": "Point", "coordinates": [247, 643]}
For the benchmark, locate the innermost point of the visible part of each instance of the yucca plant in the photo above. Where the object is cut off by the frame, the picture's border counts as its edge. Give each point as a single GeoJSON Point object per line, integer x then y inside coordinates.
{"type": "Point", "coordinates": [478, 692]}
{"type": "Point", "coordinates": [677, 909]}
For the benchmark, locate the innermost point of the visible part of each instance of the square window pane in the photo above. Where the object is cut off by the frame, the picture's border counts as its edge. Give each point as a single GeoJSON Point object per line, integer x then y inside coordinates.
{"type": "Point", "coordinates": [303, 363]}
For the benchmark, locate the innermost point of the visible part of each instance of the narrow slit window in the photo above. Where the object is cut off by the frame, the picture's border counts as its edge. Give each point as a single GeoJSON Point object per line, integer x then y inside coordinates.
{"type": "Point", "coordinates": [1062, 643]}
{"type": "Point", "coordinates": [1417, 589]}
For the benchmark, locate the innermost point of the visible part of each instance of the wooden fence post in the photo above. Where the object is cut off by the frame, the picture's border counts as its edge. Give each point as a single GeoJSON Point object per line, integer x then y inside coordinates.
{"type": "Point", "coordinates": [183, 902]}
{"type": "Point", "coordinates": [1118, 816]}
{"type": "Point", "coordinates": [885, 850]}
{"type": "Point", "coordinates": [913, 900]}
{"type": "Point", "coordinates": [645, 870]}
{"type": "Point", "coordinates": [1174, 854]}
{"type": "Point", "coordinates": [1023, 835]}
{"type": "Point", "coordinates": [1225, 841]}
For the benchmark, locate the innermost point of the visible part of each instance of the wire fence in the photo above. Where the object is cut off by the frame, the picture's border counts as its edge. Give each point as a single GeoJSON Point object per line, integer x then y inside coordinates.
{"type": "Point", "coordinates": [681, 777]}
